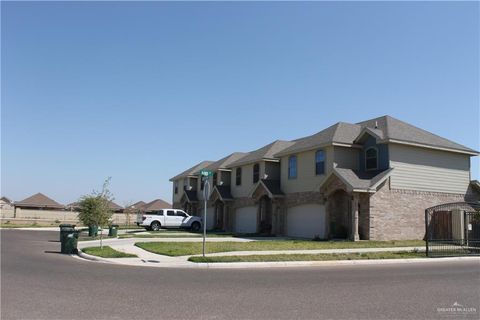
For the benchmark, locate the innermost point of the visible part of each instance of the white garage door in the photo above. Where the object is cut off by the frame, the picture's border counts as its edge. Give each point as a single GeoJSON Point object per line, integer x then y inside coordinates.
{"type": "Point", "coordinates": [306, 221]}
{"type": "Point", "coordinates": [246, 220]}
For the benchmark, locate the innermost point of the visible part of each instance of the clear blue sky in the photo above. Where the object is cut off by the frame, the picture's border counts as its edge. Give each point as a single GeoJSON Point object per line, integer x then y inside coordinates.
{"type": "Point", "coordinates": [142, 91]}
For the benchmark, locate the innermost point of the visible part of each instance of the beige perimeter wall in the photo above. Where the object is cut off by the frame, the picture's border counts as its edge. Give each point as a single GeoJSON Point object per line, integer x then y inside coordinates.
{"type": "Point", "coordinates": [51, 216]}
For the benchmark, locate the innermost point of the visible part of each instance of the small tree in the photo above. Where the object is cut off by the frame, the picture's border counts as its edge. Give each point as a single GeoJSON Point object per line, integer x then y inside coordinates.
{"type": "Point", "coordinates": [94, 209]}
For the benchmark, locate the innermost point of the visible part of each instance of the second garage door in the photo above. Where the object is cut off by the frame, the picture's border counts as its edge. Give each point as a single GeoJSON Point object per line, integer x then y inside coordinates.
{"type": "Point", "coordinates": [246, 220]}
{"type": "Point", "coordinates": [306, 221]}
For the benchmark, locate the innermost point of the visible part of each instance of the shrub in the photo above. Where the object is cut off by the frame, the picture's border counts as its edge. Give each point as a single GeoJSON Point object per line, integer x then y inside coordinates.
{"type": "Point", "coordinates": [94, 209]}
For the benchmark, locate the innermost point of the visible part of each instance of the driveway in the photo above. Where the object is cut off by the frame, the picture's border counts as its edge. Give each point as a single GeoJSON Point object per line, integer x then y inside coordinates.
{"type": "Point", "coordinates": [39, 283]}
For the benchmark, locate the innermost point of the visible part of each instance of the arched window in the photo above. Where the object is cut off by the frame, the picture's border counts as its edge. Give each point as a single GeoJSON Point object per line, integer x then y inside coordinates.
{"type": "Point", "coordinates": [256, 172]}
{"type": "Point", "coordinates": [320, 162]}
{"type": "Point", "coordinates": [371, 159]}
{"type": "Point", "coordinates": [292, 167]}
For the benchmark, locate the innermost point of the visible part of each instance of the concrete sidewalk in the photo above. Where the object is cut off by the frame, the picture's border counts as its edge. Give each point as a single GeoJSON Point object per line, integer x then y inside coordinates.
{"type": "Point", "coordinates": [146, 258]}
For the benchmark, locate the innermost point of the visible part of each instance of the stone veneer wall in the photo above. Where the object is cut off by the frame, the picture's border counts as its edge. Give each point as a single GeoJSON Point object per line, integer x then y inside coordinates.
{"type": "Point", "coordinates": [364, 216]}
{"type": "Point", "coordinates": [400, 214]}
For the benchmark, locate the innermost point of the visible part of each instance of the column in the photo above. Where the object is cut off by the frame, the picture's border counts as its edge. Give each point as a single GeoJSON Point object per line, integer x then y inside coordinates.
{"type": "Point", "coordinates": [354, 233]}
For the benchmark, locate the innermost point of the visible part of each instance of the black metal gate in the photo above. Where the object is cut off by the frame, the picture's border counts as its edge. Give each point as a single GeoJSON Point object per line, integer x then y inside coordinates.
{"type": "Point", "coordinates": [453, 229]}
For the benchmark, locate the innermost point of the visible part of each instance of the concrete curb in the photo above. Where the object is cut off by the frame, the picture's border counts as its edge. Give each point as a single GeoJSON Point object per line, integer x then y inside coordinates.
{"type": "Point", "coordinates": [85, 256]}
{"type": "Point", "coordinates": [284, 264]}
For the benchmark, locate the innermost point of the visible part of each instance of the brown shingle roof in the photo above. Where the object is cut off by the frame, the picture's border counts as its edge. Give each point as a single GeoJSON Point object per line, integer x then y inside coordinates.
{"type": "Point", "coordinates": [266, 152]}
{"type": "Point", "coordinates": [192, 171]}
{"type": "Point", "coordinates": [386, 128]}
{"type": "Point", "coordinates": [138, 205]}
{"type": "Point", "coordinates": [225, 162]}
{"type": "Point", "coordinates": [38, 200]}
{"type": "Point", "coordinates": [156, 204]}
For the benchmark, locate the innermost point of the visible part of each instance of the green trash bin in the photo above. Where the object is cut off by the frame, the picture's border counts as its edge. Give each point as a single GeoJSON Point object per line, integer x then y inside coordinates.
{"type": "Point", "coordinates": [69, 241]}
{"type": "Point", "coordinates": [92, 231]}
{"type": "Point", "coordinates": [113, 230]}
{"type": "Point", "coordinates": [63, 228]}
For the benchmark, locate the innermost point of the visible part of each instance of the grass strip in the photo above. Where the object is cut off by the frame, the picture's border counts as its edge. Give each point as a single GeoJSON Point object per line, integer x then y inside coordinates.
{"type": "Point", "coordinates": [173, 234]}
{"type": "Point", "coordinates": [309, 257]}
{"type": "Point", "coordinates": [107, 252]}
{"type": "Point", "coordinates": [192, 248]}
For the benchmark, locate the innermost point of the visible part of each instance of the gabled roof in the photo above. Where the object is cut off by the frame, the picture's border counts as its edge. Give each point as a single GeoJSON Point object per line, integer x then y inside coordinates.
{"type": "Point", "coordinates": [192, 171]}
{"type": "Point", "coordinates": [137, 205]}
{"type": "Point", "coordinates": [359, 181]}
{"type": "Point", "coordinates": [385, 129]}
{"type": "Point", "coordinates": [223, 193]}
{"type": "Point", "coordinates": [113, 206]}
{"type": "Point", "coordinates": [156, 204]}
{"type": "Point", "coordinates": [6, 200]}
{"type": "Point", "coordinates": [38, 200]}
{"type": "Point", "coordinates": [395, 130]}
{"type": "Point", "coordinates": [225, 162]}
{"type": "Point", "coordinates": [264, 153]}
{"type": "Point", "coordinates": [341, 132]}
{"type": "Point", "coordinates": [190, 196]}
{"type": "Point", "coordinates": [272, 187]}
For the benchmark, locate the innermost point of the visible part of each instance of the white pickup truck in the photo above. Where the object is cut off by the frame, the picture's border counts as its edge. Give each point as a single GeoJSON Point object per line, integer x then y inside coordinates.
{"type": "Point", "coordinates": [168, 218]}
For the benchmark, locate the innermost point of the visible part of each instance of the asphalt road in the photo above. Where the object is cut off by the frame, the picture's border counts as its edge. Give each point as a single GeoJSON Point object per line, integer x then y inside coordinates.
{"type": "Point", "coordinates": [39, 283]}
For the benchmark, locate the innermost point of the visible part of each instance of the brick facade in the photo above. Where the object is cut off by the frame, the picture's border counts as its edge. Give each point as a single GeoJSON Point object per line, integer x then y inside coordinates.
{"type": "Point", "coordinates": [400, 214]}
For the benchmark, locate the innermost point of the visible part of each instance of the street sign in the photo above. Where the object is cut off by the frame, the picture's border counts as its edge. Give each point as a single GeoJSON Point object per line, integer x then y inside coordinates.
{"type": "Point", "coordinates": [206, 173]}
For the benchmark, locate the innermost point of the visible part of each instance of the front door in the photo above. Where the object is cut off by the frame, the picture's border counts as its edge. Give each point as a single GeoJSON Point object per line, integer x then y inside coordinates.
{"type": "Point", "coordinates": [219, 216]}
{"type": "Point", "coordinates": [265, 206]}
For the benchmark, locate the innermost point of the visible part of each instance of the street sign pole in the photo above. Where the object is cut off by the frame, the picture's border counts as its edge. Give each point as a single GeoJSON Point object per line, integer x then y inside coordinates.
{"type": "Point", "coordinates": [205, 196]}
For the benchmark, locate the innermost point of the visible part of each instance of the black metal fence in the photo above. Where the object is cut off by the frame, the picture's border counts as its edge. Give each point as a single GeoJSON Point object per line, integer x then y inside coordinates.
{"type": "Point", "coordinates": [452, 230]}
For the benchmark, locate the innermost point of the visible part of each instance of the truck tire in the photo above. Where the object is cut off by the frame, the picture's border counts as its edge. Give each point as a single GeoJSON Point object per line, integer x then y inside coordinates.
{"type": "Point", "coordinates": [196, 226]}
{"type": "Point", "coordinates": [155, 226]}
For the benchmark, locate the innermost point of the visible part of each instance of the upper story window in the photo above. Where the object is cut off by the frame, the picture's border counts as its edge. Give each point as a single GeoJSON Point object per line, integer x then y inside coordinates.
{"type": "Point", "coordinates": [202, 183]}
{"type": "Point", "coordinates": [185, 184]}
{"type": "Point", "coordinates": [371, 158]}
{"type": "Point", "coordinates": [176, 186]}
{"type": "Point", "coordinates": [256, 172]}
{"type": "Point", "coordinates": [320, 162]}
{"type": "Point", "coordinates": [292, 167]}
{"type": "Point", "coordinates": [215, 177]}
{"type": "Point", "coordinates": [238, 176]}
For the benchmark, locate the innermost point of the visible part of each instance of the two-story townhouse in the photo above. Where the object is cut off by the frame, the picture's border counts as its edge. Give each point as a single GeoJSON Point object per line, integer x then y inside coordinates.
{"type": "Point", "coordinates": [370, 180]}
{"type": "Point", "coordinates": [255, 188]}
{"type": "Point", "coordinates": [185, 188]}
{"type": "Point", "coordinates": [219, 197]}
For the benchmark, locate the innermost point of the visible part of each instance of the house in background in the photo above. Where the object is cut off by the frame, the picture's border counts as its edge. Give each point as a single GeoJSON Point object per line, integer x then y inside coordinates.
{"type": "Point", "coordinates": [155, 205]}
{"type": "Point", "coordinates": [39, 201]}
{"type": "Point", "coordinates": [369, 180]}
{"type": "Point", "coordinates": [112, 206]}
{"type": "Point", "coordinates": [136, 206]}
{"type": "Point", "coordinates": [6, 203]}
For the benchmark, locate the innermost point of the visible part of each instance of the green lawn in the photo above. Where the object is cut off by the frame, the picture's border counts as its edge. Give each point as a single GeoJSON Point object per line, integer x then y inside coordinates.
{"type": "Point", "coordinates": [174, 234]}
{"type": "Point", "coordinates": [87, 238]}
{"type": "Point", "coordinates": [310, 257]}
{"type": "Point", "coordinates": [193, 248]}
{"type": "Point", "coordinates": [107, 252]}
